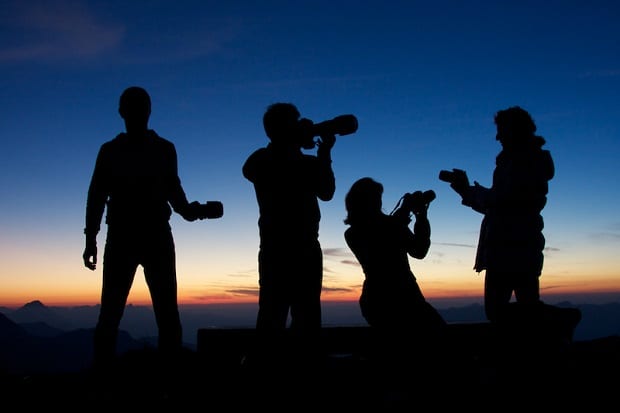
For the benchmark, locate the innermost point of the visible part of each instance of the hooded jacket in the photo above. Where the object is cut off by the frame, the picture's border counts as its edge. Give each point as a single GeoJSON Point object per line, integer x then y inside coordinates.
{"type": "Point", "coordinates": [511, 233]}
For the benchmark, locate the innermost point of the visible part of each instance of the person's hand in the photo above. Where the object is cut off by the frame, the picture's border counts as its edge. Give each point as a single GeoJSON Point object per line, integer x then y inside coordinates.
{"type": "Point", "coordinates": [418, 206]}
{"type": "Point", "coordinates": [192, 212]}
{"type": "Point", "coordinates": [326, 141]}
{"type": "Point", "coordinates": [459, 181]}
{"type": "Point", "coordinates": [456, 177]}
{"type": "Point", "coordinates": [90, 254]}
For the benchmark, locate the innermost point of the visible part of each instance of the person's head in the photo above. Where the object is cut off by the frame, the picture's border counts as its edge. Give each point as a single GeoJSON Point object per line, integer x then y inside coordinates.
{"type": "Point", "coordinates": [515, 126]}
{"type": "Point", "coordinates": [280, 120]}
{"type": "Point", "coordinates": [283, 125]}
{"type": "Point", "coordinates": [363, 200]}
{"type": "Point", "coordinates": [134, 106]}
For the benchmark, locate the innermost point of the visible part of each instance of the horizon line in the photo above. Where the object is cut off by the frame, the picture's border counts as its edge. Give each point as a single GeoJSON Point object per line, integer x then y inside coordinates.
{"type": "Point", "coordinates": [575, 298]}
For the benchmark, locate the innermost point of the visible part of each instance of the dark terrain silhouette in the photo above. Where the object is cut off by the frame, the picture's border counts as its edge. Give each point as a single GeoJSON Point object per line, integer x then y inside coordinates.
{"type": "Point", "coordinates": [579, 374]}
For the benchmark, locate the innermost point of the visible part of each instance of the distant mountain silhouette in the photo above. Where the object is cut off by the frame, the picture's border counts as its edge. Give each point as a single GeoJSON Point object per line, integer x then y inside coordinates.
{"type": "Point", "coordinates": [41, 349]}
{"type": "Point", "coordinates": [9, 330]}
{"type": "Point", "coordinates": [598, 320]}
{"type": "Point", "coordinates": [50, 373]}
{"type": "Point", "coordinates": [41, 329]}
{"type": "Point", "coordinates": [472, 313]}
{"type": "Point", "coordinates": [38, 338]}
{"type": "Point", "coordinates": [63, 318]}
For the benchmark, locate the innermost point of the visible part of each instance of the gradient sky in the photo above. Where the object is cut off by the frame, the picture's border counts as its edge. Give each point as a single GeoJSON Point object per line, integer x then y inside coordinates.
{"type": "Point", "coordinates": [423, 78]}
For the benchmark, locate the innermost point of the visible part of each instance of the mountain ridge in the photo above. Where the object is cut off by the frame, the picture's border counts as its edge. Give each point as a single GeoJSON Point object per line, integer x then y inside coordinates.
{"type": "Point", "coordinates": [598, 320]}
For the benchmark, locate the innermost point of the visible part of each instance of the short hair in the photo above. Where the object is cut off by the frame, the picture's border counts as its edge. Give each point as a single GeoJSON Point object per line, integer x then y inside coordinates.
{"type": "Point", "coordinates": [363, 199]}
{"type": "Point", "coordinates": [279, 118]}
{"type": "Point", "coordinates": [517, 119]}
{"type": "Point", "coordinates": [134, 102]}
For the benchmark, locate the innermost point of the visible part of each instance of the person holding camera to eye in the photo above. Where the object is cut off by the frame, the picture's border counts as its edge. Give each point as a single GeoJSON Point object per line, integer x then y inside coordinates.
{"type": "Point", "coordinates": [511, 241]}
{"type": "Point", "coordinates": [288, 185]}
{"type": "Point", "coordinates": [391, 300]}
{"type": "Point", "coordinates": [135, 180]}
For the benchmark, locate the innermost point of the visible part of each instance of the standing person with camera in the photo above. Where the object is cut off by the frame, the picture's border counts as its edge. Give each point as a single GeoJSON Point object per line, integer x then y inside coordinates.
{"type": "Point", "coordinates": [511, 241]}
{"type": "Point", "coordinates": [135, 180]}
{"type": "Point", "coordinates": [288, 185]}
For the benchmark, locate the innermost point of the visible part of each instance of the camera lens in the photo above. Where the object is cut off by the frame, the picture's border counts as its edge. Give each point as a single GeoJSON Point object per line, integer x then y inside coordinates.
{"type": "Point", "coordinates": [340, 125]}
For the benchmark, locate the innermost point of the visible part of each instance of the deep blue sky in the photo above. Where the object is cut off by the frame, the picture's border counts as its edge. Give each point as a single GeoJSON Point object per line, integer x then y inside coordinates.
{"type": "Point", "coordinates": [423, 78]}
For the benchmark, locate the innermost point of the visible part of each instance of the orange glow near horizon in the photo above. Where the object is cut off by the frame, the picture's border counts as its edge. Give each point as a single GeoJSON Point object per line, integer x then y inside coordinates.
{"type": "Point", "coordinates": [439, 279]}
{"type": "Point", "coordinates": [140, 296]}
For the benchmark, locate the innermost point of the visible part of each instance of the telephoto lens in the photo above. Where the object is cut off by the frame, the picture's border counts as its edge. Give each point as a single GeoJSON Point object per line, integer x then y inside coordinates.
{"type": "Point", "coordinates": [340, 125]}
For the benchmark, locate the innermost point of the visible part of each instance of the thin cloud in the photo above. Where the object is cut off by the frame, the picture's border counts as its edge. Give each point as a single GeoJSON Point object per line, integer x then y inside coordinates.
{"type": "Point", "coordinates": [610, 234]}
{"type": "Point", "coordinates": [243, 274]}
{"type": "Point", "coordinates": [336, 252]}
{"type": "Point", "coordinates": [39, 30]}
{"type": "Point", "coordinates": [230, 294]}
{"type": "Point", "coordinates": [548, 288]}
{"type": "Point", "coordinates": [197, 40]}
{"type": "Point", "coordinates": [341, 252]}
{"type": "Point", "coordinates": [328, 289]}
{"type": "Point", "coordinates": [605, 236]}
{"type": "Point", "coordinates": [601, 74]}
{"type": "Point", "coordinates": [243, 292]}
{"type": "Point", "coordinates": [450, 244]}
{"type": "Point", "coordinates": [55, 30]}
{"type": "Point", "coordinates": [350, 262]}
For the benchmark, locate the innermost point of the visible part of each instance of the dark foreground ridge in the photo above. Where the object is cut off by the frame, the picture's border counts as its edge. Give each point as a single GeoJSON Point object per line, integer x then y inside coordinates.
{"type": "Point", "coordinates": [479, 368]}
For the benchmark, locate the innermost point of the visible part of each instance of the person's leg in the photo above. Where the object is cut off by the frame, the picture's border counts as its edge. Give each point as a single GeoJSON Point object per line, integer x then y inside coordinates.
{"type": "Point", "coordinates": [497, 294]}
{"type": "Point", "coordinates": [306, 289]}
{"type": "Point", "coordinates": [119, 267]}
{"type": "Point", "coordinates": [527, 289]}
{"type": "Point", "coordinates": [527, 297]}
{"type": "Point", "coordinates": [160, 274]}
{"type": "Point", "coordinates": [273, 303]}
{"type": "Point", "coordinates": [159, 264]}
{"type": "Point", "coordinates": [273, 308]}
{"type": "Point", "coordinates": [306, 316]}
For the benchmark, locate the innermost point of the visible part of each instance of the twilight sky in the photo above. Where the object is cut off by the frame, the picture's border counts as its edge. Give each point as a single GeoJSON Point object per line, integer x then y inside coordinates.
{"type": "Point", "coordinates": [423, 78]}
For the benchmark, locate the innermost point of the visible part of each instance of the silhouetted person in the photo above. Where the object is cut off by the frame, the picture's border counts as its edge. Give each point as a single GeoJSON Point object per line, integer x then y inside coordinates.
{"type": "Point", "coordinates": [391, 300]}
{"type": "Point", "coordinates": [288, 185]}
{"type": "Point", "coordinates": [511, 242]}
{"type": "Point", "coordinates": [408, 333]}
{"type": "Point", "coordinates": [135, 180]}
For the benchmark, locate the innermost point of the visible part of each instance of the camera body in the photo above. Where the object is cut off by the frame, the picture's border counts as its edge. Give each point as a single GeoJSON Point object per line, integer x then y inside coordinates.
{"type": "Point", "coordinates": [447, 176]}
{"type": "Point", "coordinates": [211, 210]}
{"type": "Point", "coordinates": [417, 200]}
{"type": "Point", "coordinates": [457, 178]}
